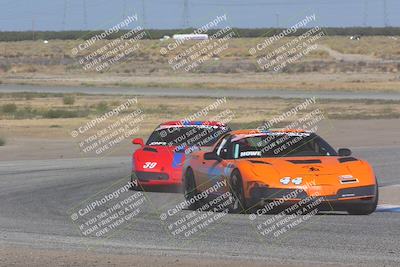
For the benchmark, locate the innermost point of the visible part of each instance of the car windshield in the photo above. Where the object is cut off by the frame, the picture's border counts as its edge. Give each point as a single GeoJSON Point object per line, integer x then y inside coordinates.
{"type": "Point", "coordinates": [281, 145]}
{"type": "Point", "coordinates": [187, 136]}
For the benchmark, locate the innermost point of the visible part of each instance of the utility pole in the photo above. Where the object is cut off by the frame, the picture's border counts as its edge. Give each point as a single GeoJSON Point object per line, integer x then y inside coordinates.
{"type": "Point", "coordinates": [144, 14]}
{"type": "Point", "coordinates": [385, 14]}
{"type": "Point", "coordinates": [277, 19]}
{"type": "Point", "coordinates": [84, 14]}
{"type": "Point", "coordinates": [123, 9]}
{"type": "Point", "coordinates": [33, 28]}
{"type": "Point", "coordinates": [365, 16]}
{"type": "Point", "coordinates": [64, 15]}
{"type": "Point", "coordinates": [185, 14]}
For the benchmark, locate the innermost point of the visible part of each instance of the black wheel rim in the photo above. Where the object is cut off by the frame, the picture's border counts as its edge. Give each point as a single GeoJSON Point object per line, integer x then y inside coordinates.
{"type": "Point", "coordinates": [236, 194]}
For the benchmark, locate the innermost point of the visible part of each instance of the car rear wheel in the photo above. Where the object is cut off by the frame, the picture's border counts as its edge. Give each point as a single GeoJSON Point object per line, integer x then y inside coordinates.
{"type": "Point", "coordinates": [365, 209]}
{"type": "Point", "coordinates": [190, 190]}
{"type": "Point", "coordinates": [238, 204]}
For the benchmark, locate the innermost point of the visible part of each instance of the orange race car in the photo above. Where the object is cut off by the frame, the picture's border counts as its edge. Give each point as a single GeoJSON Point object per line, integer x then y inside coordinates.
{"type": "Point", "coordinates": [280, 168]}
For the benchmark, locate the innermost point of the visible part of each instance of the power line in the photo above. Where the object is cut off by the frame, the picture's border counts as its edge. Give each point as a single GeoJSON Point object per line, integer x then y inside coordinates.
{"type": "Point", "coordinates": [264, 3]}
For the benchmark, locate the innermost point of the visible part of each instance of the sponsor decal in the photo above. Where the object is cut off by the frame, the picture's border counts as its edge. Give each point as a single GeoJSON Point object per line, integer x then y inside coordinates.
{"type": "Point", "coordinates": [158, 144]}
{"type": "Point", "coordinates": [149, 165]}
{"type": "Point", "coordinates": [177, 160]}
{"type": "Point", "coordinates": [250, 153]}
{"type": "Point", "coordinates": [313, 169]}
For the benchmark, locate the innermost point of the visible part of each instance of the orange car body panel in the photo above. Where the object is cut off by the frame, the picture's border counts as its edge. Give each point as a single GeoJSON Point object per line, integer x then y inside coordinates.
{"type": "Point", "coordinates": [325, 178]}
{"type": "Point", "coordinates": [323, 182]}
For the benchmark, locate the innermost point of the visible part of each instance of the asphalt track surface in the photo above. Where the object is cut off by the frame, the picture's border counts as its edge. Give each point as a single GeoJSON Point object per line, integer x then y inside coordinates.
{"type": "Point", "coordinates": [35, 196]}
{"type": "Point", "coordinates": [178, 92]}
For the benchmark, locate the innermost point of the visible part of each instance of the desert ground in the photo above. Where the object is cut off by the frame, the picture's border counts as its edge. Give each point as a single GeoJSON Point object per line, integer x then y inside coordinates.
{"type": "Point", "coordinates": [338, 63]}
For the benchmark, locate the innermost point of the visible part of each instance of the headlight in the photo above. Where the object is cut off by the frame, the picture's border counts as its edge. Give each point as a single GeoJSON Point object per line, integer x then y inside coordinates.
{"type": "Point", "coordinates": [295, 181]}
{"type": "Point", "coordinates": [285, 180]}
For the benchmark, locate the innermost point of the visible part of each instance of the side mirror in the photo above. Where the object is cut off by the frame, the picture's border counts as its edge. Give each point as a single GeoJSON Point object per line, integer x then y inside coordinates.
{"type": "Point", "coordinates": [212, 156]}
{"type": "Point", "coordinates": [138, 141]}
{"type": "Point", "coordinates": [344, 152]}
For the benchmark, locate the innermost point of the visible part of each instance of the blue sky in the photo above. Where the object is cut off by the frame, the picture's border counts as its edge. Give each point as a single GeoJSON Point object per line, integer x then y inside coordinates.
{"type": "Point", "coordinates": [18, 15]}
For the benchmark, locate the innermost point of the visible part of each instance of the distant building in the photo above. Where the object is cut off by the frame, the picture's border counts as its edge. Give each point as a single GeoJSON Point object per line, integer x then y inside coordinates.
{"type": "Point", "coordinates": [190, 36]}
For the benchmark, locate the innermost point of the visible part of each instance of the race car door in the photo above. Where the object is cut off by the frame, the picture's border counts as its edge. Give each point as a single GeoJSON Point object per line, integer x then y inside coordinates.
{"type": "Point", "coordinates": [213, 171]}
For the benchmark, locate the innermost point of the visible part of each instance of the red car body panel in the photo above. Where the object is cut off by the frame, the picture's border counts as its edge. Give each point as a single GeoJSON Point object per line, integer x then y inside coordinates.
{"type": "Point", "coordinates": [164, 160]}
{"type": "Point", "coordinates": [155, 164]}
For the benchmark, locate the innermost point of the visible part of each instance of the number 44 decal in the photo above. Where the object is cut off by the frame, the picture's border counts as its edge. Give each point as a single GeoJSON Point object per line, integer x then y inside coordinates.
{"type": "Point", "coordinates": [149, 165]}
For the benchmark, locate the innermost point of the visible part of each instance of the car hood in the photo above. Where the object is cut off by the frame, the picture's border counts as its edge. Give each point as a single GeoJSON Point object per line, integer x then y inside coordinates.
{"type": "Point", "coordinates": [312, 170]}
{"type": "Point", "coordinates": [162, 158]}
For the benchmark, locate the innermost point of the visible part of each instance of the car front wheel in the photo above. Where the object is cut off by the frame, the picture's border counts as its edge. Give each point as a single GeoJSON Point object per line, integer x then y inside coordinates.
{"type": "Point", "coordinates": [190, 190]}
{"type": "Point", "coordinates": [238, 201]}
{"type": "Point", "coordinates": [367, 208]}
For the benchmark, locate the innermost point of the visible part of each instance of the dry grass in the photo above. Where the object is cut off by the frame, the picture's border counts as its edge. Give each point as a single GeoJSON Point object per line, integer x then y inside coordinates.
{"type": "Point", "coordinates": [30, 62]}
{"type": "Point", "coordinates": [380, 46]}
{"type": "Point", "coordinates": [36, 62]}
{"type": "Point", "coordinates": [384, 47]}
{"type": "Point", "coordinates": [248, 112]}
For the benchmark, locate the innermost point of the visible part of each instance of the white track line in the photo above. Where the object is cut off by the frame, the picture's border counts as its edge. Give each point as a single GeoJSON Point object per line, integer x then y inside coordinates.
{"type": "Point", "coordinates": [388, 208]}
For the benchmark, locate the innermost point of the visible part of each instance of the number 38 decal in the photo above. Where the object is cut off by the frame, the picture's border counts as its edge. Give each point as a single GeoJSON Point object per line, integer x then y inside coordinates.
{"type": "Point", "coordinates": [149, 165]}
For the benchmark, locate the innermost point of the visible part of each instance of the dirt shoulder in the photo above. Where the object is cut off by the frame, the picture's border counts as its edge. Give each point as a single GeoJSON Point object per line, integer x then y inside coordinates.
{"type": "Point", "coordinates": [19, 256]}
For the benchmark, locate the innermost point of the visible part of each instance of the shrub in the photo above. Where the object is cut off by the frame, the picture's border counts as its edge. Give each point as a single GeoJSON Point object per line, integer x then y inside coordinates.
{"type": "Point", "coordinates": [9, 108]}
{"type": "Point", "coordinates": [5, 67]}
{"type": "Point", "coordinates": [69, 100]}
{"type": "Point", "coordinates": [28, 96]}
{"type": "Point", "coordinates": [2, 141]}
{"type": "Point", "coordinates": [26, 113]}
{"type": "Point", "coordinates": [60, 113]}
{"type": "Point", "coordinates": [102, 107]}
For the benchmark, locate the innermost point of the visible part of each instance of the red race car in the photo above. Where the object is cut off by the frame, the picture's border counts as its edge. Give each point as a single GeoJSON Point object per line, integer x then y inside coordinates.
{"type": "Point", "coordinates": [159, 161]}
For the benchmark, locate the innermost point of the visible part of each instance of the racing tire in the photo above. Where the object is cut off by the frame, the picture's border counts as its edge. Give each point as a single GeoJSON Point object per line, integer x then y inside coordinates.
{"type": "Point", "coordinates": [365, 209]}
{"type": "Point", "coordinates": [134, 180]}
{"type": "Point", "coordinates": [238, 204]}
{"type": "Point", "coordinates": [190, 190]}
